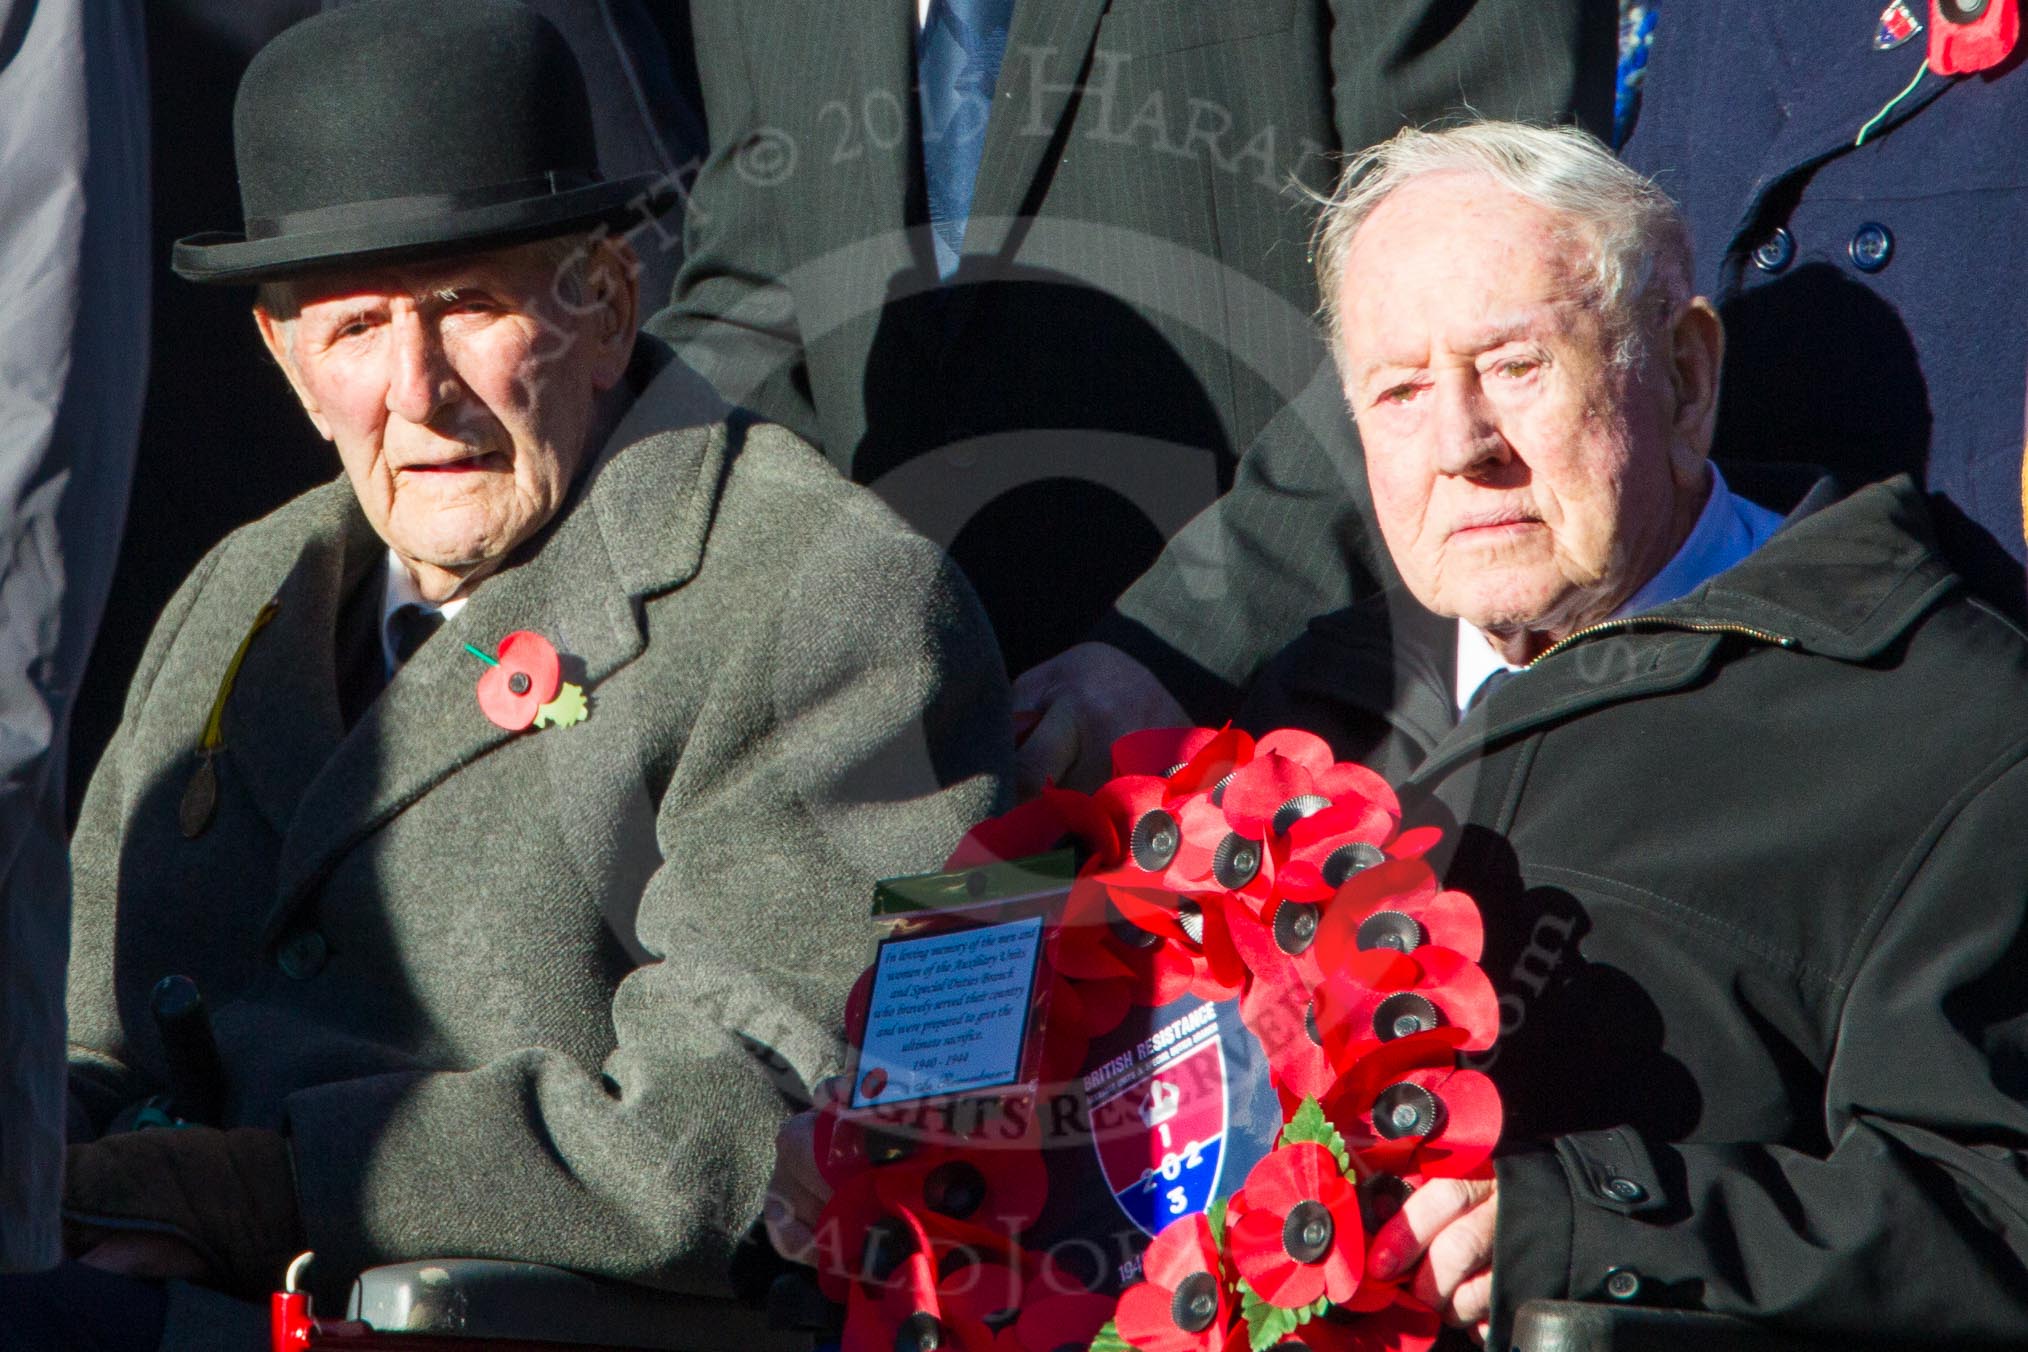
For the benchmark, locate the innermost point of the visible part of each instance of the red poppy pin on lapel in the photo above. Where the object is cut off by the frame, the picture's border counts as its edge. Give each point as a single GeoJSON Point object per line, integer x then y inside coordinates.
{"type": "Point", "coordinates": [1967, 36]}
{"type": "Point", "coordinates": [524, 685]}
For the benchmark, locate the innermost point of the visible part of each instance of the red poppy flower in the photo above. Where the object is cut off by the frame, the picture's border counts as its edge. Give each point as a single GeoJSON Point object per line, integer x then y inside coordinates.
{"type": "Point", "coordinates": [1095, 941]}
{"type": "Point", "coordinates": [1300, 1236]}
{"type": "Point", "coordinates": [863, 1240]}
{"type": "Point", "coordinates": [1290, 826]}
{"type": "Point", "coordinates": [1075, 1013]}
{"type": "Point", "coordinates": [850, 1142]}
{"type": "Point", "coordinates": [996, 1184]}
{"type": "Point", "coordinates": [1056, 1322]}
{"type": "Point", "coordinates": [526, 675]}
{"type": "Point", "coordinates": [1035, 827]}
{"type": "Point", "coordinates": [1398, 1326]}
{"type": "Point", "coordinates": [1275, 1007]}
{"type": "Point", "coordinates": [1415, 842]}
{"type": "Point", "coordinates": [1159, 751]}
{"type": "Point", "coordinates": [1146, 819]}
{"type": "Point", "coordinates": [1407, 1107]}
{"type": "Point", "coordinates": [1181, 1303]}
{"type": "Point", "coordinates": [1378, 995]}
{"type": "Point", "coordinates": [1398, 905]}
{"type": "Point", "coordinates": [1196, 926]}
{"type": "Point", "coordinates": [900, 1316]}
{"type": "Point", "coordinates": [1224, 753]}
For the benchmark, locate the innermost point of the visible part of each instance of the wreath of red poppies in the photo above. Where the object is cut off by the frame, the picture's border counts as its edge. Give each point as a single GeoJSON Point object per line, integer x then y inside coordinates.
{"type": "Point", "coordinates": [1230, 868]}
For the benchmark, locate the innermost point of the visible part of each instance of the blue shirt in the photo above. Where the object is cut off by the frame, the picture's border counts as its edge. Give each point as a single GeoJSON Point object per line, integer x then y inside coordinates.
{"type": "Point", "coordinates": [1727, 530]}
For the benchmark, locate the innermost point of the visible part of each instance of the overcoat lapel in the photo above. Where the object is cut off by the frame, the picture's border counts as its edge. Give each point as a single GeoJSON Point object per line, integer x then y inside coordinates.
{"type": "Point", "coordinates": [283, 719]}
{"type": "Point", "coordinates": [576, 586]}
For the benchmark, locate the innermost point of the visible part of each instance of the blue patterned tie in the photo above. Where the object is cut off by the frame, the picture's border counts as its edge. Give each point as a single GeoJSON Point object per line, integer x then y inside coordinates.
{"type": "Point", "coordinates": [957, 62]}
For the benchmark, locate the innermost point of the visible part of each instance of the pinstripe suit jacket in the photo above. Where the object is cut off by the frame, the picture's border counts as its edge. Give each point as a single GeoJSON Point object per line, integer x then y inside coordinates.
{"type": "Point", "coordinates": [1133, 303]}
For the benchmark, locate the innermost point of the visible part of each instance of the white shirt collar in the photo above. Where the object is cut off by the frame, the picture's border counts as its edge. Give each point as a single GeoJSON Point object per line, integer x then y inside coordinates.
{"type": "Point", "coordinates": [1727, 530]}
{"type": "Point", "coordinates": [401, 591]}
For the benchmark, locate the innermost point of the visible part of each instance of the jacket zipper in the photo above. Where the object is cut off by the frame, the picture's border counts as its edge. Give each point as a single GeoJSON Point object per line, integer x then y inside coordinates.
{"type": "Point", "coordinates": [1694, 626]}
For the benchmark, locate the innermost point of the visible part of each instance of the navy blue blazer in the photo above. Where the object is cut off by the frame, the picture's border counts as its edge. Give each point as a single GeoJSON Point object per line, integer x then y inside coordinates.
{"type": "Point", "coordinates": [1875, 295]}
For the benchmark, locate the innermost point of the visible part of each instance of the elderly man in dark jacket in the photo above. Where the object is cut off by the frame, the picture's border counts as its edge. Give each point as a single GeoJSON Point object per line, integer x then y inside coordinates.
{"type": "Point", "coordinates": [1741, 795]}
{"type": "Point", "coordinates": [513, 802]}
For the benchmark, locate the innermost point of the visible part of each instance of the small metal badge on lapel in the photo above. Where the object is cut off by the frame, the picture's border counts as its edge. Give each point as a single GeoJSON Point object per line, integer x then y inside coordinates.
{"type": "Point", "coordinates": [200, 796]}
{"type": "Point", "coordinates": [524, 687]}
{"type": "Point", "coordinates": [1897, 25]}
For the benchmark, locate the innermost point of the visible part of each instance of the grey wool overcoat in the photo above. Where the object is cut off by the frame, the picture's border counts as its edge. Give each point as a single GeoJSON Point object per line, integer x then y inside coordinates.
{"type": "Point", "coordinates": [537, 995]}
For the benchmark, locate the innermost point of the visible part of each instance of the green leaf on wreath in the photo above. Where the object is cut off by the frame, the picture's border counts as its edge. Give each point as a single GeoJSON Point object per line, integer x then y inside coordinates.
{"type": "Point", "coordinates": [1266, 1324]}
{"type": "Point", "coordinates": [1108, 1340]}
{"type": "Point", "coordinates": [1310, 1124]}
{"type": "Point", "coordinates": [1216, 1216]}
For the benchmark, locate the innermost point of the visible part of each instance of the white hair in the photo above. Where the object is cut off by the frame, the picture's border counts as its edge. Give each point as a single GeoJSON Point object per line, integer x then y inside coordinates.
{"type": "Point", "coordinates": [1639, 245]}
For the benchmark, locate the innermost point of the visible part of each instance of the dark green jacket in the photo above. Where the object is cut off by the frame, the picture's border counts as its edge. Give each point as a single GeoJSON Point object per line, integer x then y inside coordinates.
{"type": "Point", "coordinates": [1754, 867]}
{"type": "Point", "coordinates": [540, 995]}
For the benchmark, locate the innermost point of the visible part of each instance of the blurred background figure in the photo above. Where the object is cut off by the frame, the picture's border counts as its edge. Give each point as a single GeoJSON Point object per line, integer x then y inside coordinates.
{"type": "Point", "coordinates": [1035, 270]}
{"type": "Point", "coordinates": [73, 351]}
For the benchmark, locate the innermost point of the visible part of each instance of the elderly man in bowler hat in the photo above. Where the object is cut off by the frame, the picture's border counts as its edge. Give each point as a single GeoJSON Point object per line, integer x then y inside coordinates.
{"type": "Point", "coordinates": [512, 801]}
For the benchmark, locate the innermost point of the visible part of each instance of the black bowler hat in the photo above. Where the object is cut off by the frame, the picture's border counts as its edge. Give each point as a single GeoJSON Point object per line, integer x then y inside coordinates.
{"type": "Point", "coordinates": [390, 130]}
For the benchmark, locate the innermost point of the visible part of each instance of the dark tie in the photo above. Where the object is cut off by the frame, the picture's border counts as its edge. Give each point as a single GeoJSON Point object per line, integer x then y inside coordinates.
{"type": "Point", "coordinates": [1488, 686]}
{"type": "Point", "coordinates": [957, 63]}
{"type": "Point", "coordinates": [410, 627]}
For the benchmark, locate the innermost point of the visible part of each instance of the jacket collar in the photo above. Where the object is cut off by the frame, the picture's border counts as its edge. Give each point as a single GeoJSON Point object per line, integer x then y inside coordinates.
{"type": "Point", "coordinates": [1844, 578]}
{"type": "Point", "coordinates": [635, 527]}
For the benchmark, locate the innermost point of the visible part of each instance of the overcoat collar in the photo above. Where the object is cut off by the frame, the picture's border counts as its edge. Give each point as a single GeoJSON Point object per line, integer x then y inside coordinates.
{"type": "Point", "coordinates": [1843, 580]}
{"type": "Point", "coordinates": [635, 527]}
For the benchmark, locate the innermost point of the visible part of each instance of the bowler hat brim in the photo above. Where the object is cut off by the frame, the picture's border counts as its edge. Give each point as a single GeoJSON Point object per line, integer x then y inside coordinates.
{"type": "Point", "coordinates": [224, 257]}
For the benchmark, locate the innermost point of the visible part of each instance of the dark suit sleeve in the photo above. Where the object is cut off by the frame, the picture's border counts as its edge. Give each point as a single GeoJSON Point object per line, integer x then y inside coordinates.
{"type": "Point", "coordinates": [856, 731]}
{"type": "Point", "coordinates": [731, 316]}
{"type": "Point", "coordinates": [1912, 1228]}
{"type": "Point", "coordinates": [1289, 540]}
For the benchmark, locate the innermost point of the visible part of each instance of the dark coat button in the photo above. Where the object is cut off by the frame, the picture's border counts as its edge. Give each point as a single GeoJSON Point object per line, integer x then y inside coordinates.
{"type": "Point", "coordinates": [1872, 245]}
{"type": "Point", "coordinates": [1625, 1190]}
{"type": "Point", "coordinates": [1622, 1283]}
{"type": "Point", "coordinates": [303, 955]}
{"type": "Point", "coordinates": [1776, 252]}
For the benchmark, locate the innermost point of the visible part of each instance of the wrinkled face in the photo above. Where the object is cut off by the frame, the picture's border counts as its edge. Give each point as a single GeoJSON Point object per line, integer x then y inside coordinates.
{"type": "Point", "coordinates": [462, 396]}
{"type": "Point", "coordinates": [1519, 479]}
